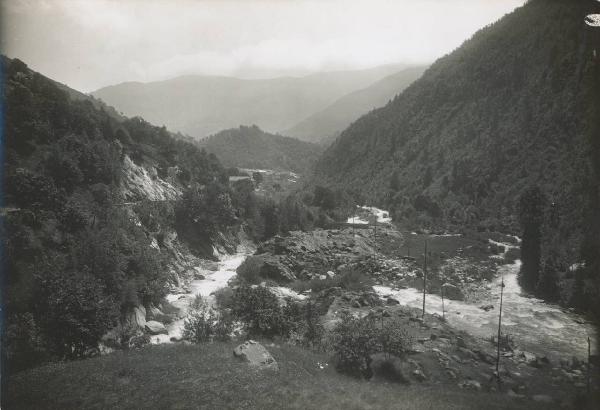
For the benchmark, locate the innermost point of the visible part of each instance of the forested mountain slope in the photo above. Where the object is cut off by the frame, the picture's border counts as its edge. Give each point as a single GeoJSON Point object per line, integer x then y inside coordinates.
{"type": "Point", "coordinates": [325, 124]}
{"type": "Point", "coordinates": [92, 202]}
{"type": "Point", "coordinates": [504, 110]}
{"type": "Point", "coordinates": [251, 147]}
{"type": "Point", "coordinates": [513, 107]}
{"type": "Point", "coordinates": [201, 105]}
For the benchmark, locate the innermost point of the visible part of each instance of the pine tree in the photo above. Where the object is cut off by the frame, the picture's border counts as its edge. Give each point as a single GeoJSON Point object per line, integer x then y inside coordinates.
{"type": "Point", "coordinates": [531, 216]}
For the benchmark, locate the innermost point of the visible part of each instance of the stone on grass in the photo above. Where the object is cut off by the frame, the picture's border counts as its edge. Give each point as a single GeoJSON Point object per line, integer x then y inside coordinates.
{"type": "Point", "coordinates": [256, 355]}
{"type": "Point", "coordinates": [156, 328]}
{"type": "Point", "coordinates": [470, 385]}
{"type": "Point", "coordinates": [419, 375]}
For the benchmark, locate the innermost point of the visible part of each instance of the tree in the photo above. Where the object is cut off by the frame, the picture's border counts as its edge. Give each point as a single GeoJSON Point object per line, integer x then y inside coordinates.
{"type": "Point", "coordinates": [531, 216]}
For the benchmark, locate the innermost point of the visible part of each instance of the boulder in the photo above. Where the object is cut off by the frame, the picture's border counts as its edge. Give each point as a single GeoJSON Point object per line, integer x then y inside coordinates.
{"type": "Point", "coordinates": [155, 328]}
{"type": "Point", "coordinates": [470, 385]}
{"type": "Point", "coordinates": [256, 355]}
{"type": "Point", "coordinates": [419, 375]}
{"type": "Point", "coordinates": [137, 317]}
{"type": "Point", "coordinates": [392, 301]}
{"type": "Point", "coordinates": [452, 292]}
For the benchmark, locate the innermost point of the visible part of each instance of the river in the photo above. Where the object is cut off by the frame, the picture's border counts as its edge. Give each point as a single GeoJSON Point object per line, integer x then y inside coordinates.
{"type": "Point", "coordinates": [536, 326]}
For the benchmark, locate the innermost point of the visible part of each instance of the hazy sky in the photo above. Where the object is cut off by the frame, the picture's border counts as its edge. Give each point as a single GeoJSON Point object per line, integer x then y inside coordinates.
{"type": "Point", "coordinates": [88, 44]}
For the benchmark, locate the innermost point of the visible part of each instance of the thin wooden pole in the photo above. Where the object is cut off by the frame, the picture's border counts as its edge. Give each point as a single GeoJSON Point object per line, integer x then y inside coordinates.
{"type": "Point", "coordinates": [588, 365]}
{"type": "Point", "coordinates": [442, 293]}
{"type": "Point", "coordinates": [499, 327]}
{"type": "Point", "coordinates": [424, 278]}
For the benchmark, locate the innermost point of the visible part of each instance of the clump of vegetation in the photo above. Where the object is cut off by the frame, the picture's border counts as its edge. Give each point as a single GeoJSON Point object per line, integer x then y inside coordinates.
{"type": "Point", "coordinates": [204, 324]}
{"type": "Point", "coordinates": [355, 340]}
{"type": "Point", "coordinates": [249, 270]}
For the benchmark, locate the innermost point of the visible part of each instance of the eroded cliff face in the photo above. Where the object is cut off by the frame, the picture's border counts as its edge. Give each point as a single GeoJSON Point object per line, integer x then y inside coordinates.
{"type": "Point", "coordinates": [142, 182]}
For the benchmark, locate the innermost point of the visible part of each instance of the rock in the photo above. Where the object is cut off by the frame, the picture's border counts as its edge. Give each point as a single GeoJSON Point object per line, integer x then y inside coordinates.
{"type": "Point", "coordinates": [256, 355]}
{"type": "Point", "coordinates": [392, 301]}
{"type": "Point", "coordinates": [542, 398]}
{"type": "Point", "coordinates": [452, 292]}
{"type": "Point", "coordinates": [322, 277]}
{"type": "Point", "coordinates": [470, 385]}
{"type": "Point", "coordinates": [419, 375]}
{"type": "Point", "coordinates": [156, 328]}
{"type": "Point", "coordinates": [137, 317]}
{"type": "Point", "coordinates": [487, 308]}
{"type": "Point", "coordinates": [176, 339]}
{"type": "Point", "coordinates": [460, 342]}
{"type": "Point", "coordinates": [210, 265]}
{"type": "Point", "coordinates": [330, 274]}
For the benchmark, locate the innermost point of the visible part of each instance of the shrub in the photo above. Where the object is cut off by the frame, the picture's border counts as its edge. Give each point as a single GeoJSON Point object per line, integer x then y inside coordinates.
{"type": "Point", "coordinates": [354, 341]}
{"type": "Point", "coordinates": [249, 270]}
{"type": "Point", "coordinates": [204, 324]}
{"type": "Point", "coordinates": [259, 310]}
{"type": "Point", "coordinates": [224, 297]}
{"type": "Point", "coordinates": [24, 344]}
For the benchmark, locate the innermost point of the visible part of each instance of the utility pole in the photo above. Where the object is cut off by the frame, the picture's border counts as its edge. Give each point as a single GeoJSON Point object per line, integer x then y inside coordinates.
{"type": "Point", "coordinates": [499, 327]}
{"type": "Point", "coordinates": [588, 365]}
{"type": "Point", "coordinates": [424, 278]}
{"type": "Point", "coordinates": [442, 294]}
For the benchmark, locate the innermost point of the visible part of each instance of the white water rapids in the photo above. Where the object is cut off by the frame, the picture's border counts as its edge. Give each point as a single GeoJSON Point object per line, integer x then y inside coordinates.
{"type": "Point", "coordinates": [534, 325]}
{"type": "Point", "coordinates": [203, 287]}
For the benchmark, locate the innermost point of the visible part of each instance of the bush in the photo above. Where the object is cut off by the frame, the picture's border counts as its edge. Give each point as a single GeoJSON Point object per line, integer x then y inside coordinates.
{"type": "Point", "coordinates": [259, 310]}
{"type": "Point", "coordinates": [354, 341]}
{"type": "Point", "coordinates": [204, 324]}
{"type": "Point", "coordinates": [24, 345]}
{"type": "Point", "coordinates": [249, 270]}
{"type": "Point", "coordinates": [224, 298]}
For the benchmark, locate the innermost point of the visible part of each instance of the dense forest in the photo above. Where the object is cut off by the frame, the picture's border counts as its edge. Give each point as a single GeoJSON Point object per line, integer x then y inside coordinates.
{"type": "Point", "coordinates": [502, 125]}
{"type": "Point", "coordinates": [78, 246]}
{"type": "Point", "coordinates": [251, 147]}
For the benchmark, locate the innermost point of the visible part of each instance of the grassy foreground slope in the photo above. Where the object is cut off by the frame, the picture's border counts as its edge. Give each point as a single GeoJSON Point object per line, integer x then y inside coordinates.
{"type": "Point", "coordinates": [208, 376]}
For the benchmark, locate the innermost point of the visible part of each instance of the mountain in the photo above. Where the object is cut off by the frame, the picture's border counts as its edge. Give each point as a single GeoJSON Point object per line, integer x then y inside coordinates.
{"type": "Point", "coordinates": [513, 109]}
{"type": "Point", "coordinates": [328, 123]}
{"type": "Point", "coordinates": [201, 105]}
{"type": "Point", "coordinates": [250, 147]}
{"type": "Point", "coordinates": [100, 214]}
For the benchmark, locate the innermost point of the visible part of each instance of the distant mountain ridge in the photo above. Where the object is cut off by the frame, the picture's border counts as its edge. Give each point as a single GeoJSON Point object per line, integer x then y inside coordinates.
{"type": "Point", "coordinates": [325, 125]}
{"type": "Point", "coordinates": [251, 147]}
{"type": "Point", "coordinates": [202, 105]}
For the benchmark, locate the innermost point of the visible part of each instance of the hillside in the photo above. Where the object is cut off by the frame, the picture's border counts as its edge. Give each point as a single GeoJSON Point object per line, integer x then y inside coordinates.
{"type": "Point", "coordinates": [202, 105]}
{"type": "Point", "coordinates": [328, 123]}
{"type": "Point", "coordinates": [250, 147]}
{"type": "Point", "coordinates": [512, 108]}
{"type": "Point", "coordinates": [97, 217]}
{"type": "Point", "coordinates": [505, 110]}
{"type": "Point", "coordinates": [209, 376]}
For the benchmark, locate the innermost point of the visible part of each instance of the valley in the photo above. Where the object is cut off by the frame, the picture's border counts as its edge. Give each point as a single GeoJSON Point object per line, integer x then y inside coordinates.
{"type": "Point", "coordinates": [374, 235]}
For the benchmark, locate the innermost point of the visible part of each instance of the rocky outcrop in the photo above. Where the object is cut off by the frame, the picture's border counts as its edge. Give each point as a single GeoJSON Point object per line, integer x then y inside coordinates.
{"type": "Point", "coordinates": [256, 355]}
